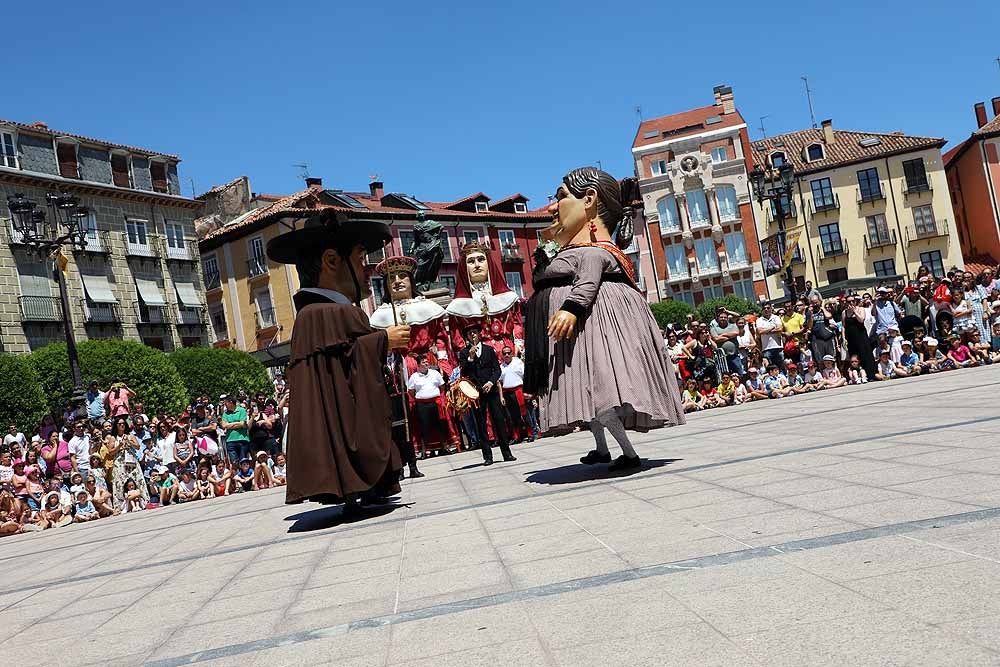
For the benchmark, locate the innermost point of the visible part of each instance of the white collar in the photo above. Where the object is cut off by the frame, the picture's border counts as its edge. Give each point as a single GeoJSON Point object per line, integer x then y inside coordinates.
{"type": "Point", "coordinates": [418, 311]}
{"type": "Point", "coordinates": [332, 295]}
{"type": "Point", "coordinates": [473, 307]}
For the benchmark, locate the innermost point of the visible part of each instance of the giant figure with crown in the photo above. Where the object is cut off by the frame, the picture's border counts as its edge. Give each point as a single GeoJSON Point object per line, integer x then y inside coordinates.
{"type": "Point", "coordinates": [482, 297]}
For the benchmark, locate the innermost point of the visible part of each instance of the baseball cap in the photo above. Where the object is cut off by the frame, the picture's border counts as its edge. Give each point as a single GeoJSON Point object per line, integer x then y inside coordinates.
{"type": "Point", "coordinates": [828, 357]}
{"type": "Point", "coordinates": [995, 304]}
{"type": "Point", "coordinates": [882, 290]}
{"type": "Point", "coordinates": [790, 366]}
{"type": "Point", "coordinates": [752, 369]}
{"type": "Point", "coordinates": [907, 343]}
{"type": "Point", "coordinates": [930, 341]}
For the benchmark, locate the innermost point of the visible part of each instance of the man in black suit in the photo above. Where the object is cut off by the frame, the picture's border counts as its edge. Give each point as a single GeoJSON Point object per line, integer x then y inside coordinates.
{"type": "Point", "coordinates": [481, 367]}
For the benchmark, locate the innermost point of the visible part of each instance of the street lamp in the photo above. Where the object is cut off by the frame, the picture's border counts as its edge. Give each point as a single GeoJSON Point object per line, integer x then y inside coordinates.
{"type": "Point", "coordinates": [772, 185]}
{"type": "Point", "coordinates": [67, 228]}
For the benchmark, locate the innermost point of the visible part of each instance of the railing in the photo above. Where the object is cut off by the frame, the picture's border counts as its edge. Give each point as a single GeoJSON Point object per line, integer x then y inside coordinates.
{"type": "Point", "coordinates": [16, 237]}
{"type": "Point", "coordinates": [820, 206]}
{"type": "Point", "coordinates": [872, 196]}
{"type": "Point", "coordinates": [213, 280]}
{"type": "Point", "coordinates": [189, 316]}
{"type": "Point", "coordinates": [101, 313]}
{"type": "Point", "coordinates": [98, 245]}
{"type": "Point", "coordinates": [880, 241]}
{"type": "Point", "coordinates": [787, 209]}
{"type": "Point", "coordinates": [935, 230]}
{"type": "Point", "coordinates": [373, 258]}
{"type": "Point", "coordinates": [151, 314]}
{"type": "Point", "coordinates": [139, 249]}
{"type": "Point", "coordinates": [677, 276]}
{"type": "Point", "coordinates": [266, 318]}
{"type": "Point", "coordinates": [256, 266]}
{"type": "Point", "coordinates": [840, 250]}
{"type": "Point", "coordinates": [185, 253]}
{"type": "Point", "coordinates": [40, 309]}
{"type": "Point", "coordinates": [917, 188]}
{"type": "Point", "coordinates": [512, 253]}
{"type": "Point", "coordinates": [701, 223]}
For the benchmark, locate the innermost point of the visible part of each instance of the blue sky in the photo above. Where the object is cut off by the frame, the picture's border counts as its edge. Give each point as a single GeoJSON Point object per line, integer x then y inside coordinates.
{"type": "Point", "coordinates": [443, 99]}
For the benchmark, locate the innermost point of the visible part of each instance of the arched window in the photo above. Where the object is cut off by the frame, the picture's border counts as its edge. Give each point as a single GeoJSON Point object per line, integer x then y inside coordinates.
{"type": "Point", "coordinates": [814, 152]}
{"type": "Point", "coordinates": [777, 159]}
{"type": "Point", "coordinates": [697, 207]}
{"type": "Point", "coordinates": [667, 209]}
{"type": "Point", "coordinates": [726, 196]}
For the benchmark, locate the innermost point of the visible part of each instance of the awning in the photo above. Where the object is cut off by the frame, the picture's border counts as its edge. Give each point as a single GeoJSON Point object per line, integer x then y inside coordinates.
{"type": "Point", "coordinates": [150, 292]}
{"type": "Point", "coordinates": [98, 289]}
{"type": "Point", "coordinates": [186, 294]}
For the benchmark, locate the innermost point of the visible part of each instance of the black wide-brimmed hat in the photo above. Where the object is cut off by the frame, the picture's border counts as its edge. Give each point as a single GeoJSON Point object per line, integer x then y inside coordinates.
{"type": "Point", "coordinates": [323, 225]}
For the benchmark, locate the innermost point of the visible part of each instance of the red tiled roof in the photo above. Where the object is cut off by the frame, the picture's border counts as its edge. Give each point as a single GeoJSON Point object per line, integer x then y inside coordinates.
{"type": "Point", "coordinates": [979, 263]}
{"type": "Point", "coordinates": [844, 150]}
{"type": "Point", "coordinates": [463, 200]}
{"type": "Point", "coordinates": [991, 128]}
{"type": "Point", "coordinates": [683, 124]}
{"type": "Point", "coordinates": [269, 197]}
{"type": "Point", "coordinates": [516, 195]}
{"type": "Point", "coordinates": [38, 129]}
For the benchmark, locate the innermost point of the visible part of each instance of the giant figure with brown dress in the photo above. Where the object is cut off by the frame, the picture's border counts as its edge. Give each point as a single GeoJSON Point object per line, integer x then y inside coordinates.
{"type": "Point", "coordinates": [595, 355]}
{"type": "Point", "coordinates": [340, 448]}
{"type": "Point", "coordinates": [483, 297]}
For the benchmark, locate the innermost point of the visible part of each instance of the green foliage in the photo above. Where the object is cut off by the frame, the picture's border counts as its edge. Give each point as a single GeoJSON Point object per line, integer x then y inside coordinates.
{"type": "Point", "coordinates": [215, 371]}
{"type": "Point", "coordinates": [22, 399]}
{"type": "Point", "coordinates": [147, 371]}
{"type": "Point", "coordinates": [670, 312]}
{"type": "Point", "coordinates": [705, 313]}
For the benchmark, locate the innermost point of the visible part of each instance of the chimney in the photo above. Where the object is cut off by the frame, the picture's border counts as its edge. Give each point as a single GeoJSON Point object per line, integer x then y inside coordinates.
{"type": "Point", "coordinates": [40, 125]}
{"type": "Point", "coordinates": [377, 189]}
{"type": "Point", "coordinates": [980, 114]}
{"type": "Point", "coordinates": [828, 136]}
{"type": "Point", "coordinates": [996, 106]}
{"type": "Point", "coordinates": [725, 95]}
{"type": "Point", "coordinates": [718, 95]}
{"type": "Point", "coordinates": [314, 182]}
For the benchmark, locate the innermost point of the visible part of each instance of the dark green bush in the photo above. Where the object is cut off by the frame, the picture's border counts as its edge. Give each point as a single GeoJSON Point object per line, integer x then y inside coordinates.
{"type": "Point", "coordinates": [215, 371]}
{"type": "Point", "coordinates": [670, 312]}
{"type": "Point", "coordinates": [22, 399]}
{"type": "Point", "coordinates": [705, 313]}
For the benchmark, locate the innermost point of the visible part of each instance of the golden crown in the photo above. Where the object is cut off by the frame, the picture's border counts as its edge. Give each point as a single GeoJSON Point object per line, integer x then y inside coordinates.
{"type": "Point", "coordinates": [391, 265]}
{"type": "Point", "coordinates": [475, 246]}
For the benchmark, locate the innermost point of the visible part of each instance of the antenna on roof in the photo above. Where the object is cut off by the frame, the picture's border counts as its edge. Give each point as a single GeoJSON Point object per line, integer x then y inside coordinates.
{"type": "Point", "coordinates": [194, 193]}
{"type": "Point", "coordinates": [303, 171]}
{"type": "Point", "coordinates": [812, 116]}
{"type": "Point", "coordinates": [763, 133]}
{"type": "Point", "coordinates": [600, 166]}
{"type": "Point", "coordinates": [372, 177]}
{"type": "Point", "coordinates": [638, 109]}
{"type": "Point", "coordinates": [997, 59]}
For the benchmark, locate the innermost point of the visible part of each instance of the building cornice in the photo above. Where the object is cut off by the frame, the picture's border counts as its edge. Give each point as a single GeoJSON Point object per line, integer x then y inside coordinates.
{"type": "Point", "coordinates": [74, 185]}
{"type": "Point", "coordinates": [700, 136]}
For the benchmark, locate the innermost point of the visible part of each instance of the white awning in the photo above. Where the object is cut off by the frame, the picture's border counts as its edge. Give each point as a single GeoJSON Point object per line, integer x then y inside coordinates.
{"type": "Point", "coordinates": [98, 289]}
{"type": "Point", "coordinates": [150, 292]}
{"type": "Point", "coordinates": [186, 294]}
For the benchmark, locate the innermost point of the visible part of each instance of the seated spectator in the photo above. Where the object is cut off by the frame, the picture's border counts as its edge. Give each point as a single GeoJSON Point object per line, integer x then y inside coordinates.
{"type": "Point", "coordinates": [167, 484]}
{"type": "Point", "coordinates": [278, 472]}
{"type": "Point", "coordinates": [205, 487]}
{"type": "Point", "coordinates": [979, 349]}
{"type": "Point", "coordinates": [796, 383]}
{"type": "Point", "coordinates": [741, 394]}
{"type": "Point", "coordinates": [34, 487]}
{"type": "Point", "coordinates": [262, 473]}
{"type": "Point", "coordinates": [53, 513]}
{"type": "Point", "coordinates": [97, 469]}
{"type": "Point", "coordinates": [856, 374]}
{"type": "Point", "coordinates": [726, 391]}
{"type": "Point", "coordinates": [959, 353]}
{"type": "Point", "coordinates": [909, 362]}
{"type": "Point", "coordinates": [884, 368]}
{"type": "Point", "coordinates": [755, 387]}
{"type": "Point", "coordinates": [831, 374]}
{"type": "Point", "coordinates": [101, 498]}
{"type": "Point", "coordinates": [711, 396]}
{"type": "Point", "coordinates": [244, 477]}
{"type": "Point", "coordinates": [188, 487]}
{"type": "Point", "coordinates": [774, 384]}
{"type": "Point", "coordinates": [85, 510]}
{"type": "Point", "coordinates": [691, 398]}
{"type": "Point", "coordinates": [20, 482]}
{"type": "Point", "coordinates": [221, 478]}
{"type": "Point", "coordinates": [934, 359]}
{"type": "Point", "coordinates": [6, 472]}
{"type": "Point", "coordinates": [133, 500]}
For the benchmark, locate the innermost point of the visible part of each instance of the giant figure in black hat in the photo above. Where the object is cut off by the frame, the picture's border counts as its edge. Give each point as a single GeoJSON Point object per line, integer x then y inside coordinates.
{"type": "Point", "coordinates": [340, 447]}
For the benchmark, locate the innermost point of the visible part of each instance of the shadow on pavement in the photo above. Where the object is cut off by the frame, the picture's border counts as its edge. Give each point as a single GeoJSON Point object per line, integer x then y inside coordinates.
{"type": "Point", "coordinates": [333, 515]}
{"type": "Point", "coordinates": [579, 472]}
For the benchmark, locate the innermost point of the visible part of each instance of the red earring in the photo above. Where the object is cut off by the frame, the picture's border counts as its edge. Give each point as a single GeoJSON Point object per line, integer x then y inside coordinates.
{"type": "Point", "coordinates": [593, 231]}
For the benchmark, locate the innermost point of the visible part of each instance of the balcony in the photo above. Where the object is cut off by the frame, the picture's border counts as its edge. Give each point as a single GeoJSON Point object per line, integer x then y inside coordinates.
{"type": "Point", "coordinates": [16, 237]}
{"type": "Point", "coordinates": [882, 241]}
{"type": "Point", "coordinates": [373, 258]}
{"type": "Point", "coordinates": [826, 204]}
{"type": "Point", "coordinates": [101, 313]}
{"type": "Point", "coordinates": [185, 252]}
{"type": "Point", "coordinates": [141, 246]}
{"type": "Point", "coordinates": [916, 188]}
{"type": "Point", "coordinates": [151, 314]}
{"type": "Point", "coordinates": [189, 316]}
{"type": "Point", "coordinates": [40, 309]}
{"type": "Point", "coordinates": [703, 223]}
{"type": "Point", "coordinates": [266, 319]}
{"type": "Point", "coordinates": [511, 253]}
{"type": "Point", "coordinates": [926, 232]}
{"type": "Point", "coordinates": [98, 244]}
{"type": "Point", "coordinates": [833, 250]}
{"type": "Point", "coordinates": [870, 196]}
{"type": "Point", "coordinates": [212, 280]}
{"type": "Point", "coordinates": [788, 212]}
{"type": "Point", "coordinates": [257, 266]}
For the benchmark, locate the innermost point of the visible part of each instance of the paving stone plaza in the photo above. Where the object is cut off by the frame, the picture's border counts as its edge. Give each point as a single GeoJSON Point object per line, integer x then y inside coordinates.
{"type": "Point", "coordinates": [859, 526]}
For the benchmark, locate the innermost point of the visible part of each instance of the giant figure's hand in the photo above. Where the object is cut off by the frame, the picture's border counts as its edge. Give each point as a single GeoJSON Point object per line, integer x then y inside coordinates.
{"type": "Point", "coordinates": [561, 325]}
{"type": "Point", "coordinates": [399, 336]}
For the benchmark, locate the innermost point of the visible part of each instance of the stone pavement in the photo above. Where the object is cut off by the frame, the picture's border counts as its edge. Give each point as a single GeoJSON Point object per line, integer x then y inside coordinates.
{"type": "Point", "coordinates": [858, 526]}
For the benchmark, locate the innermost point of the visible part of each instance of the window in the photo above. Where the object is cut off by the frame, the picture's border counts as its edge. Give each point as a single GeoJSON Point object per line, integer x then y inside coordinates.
{"type": "Point", "coordinates": [508, 244]}
{"type": "Point", "coordinates": [777, 159]}
{"type": "Point", "coordinates": [217, 316]}
{"type": "Point", "coordinates": [136, 231]}
{"type": "Point", "coordinates": [932, 260]}
{"type": "Point", "coordinates": [708, 260]}
{"type": "Point", "coordinates": [667, 210]}
{"type": "Point", "coordinates": [210, 272]}
{"type": "Point", "coordinates": [520, 207]}
{"type": "Point", "coordinates": [677, 264]}
{"type": "Point", "coordinates": [885, 267]}
{"type": "Point", "coordinates": [822, 193]}
{"type": "Point", "coordinates": [659, 167]}
{"type": "Point", "coordinates": [836, 275]}
{"type": "Point", "coordinates": [378, 290]}
{"type": "Point", "coordinates": [446, 247]}
{"type": "Point", "coordinates": [829, 235]}
{"type": "Point", "coordinates": [158, 174]}
{"type": "Point", "coordinates": [256, 260]}
{"type": "Point", "coordinates": [36, 300]}
{"type": "Point", "coordinates": [66, 155]}
{"type": "Point", "coordinates": [686, 296]}
{"type": "Point", "coordinates": [175, 235]}
{"type": "Point", "coordinates": [482, 207]}
{"type": "Point", "coordinates": [89, 224]}
{"type": "Point", "coordinates": [787, 209]}
{"type": "Point", "coordinates": [878, 230]}
{"type": "Point", "coordinates": [725, 196]}
{"type": "Point", "coordinates": [916, 175]}
{"type": "Point", "coordinates": [697, 207]}
{"type": "Point", "coordinates": [744, 289]}
{"type": "Point", "coordinates": [121, 173]}
{"type": "Point", "coordinates": [469, 237]}
{"type": "Point", "coordinates": [406, 241]}
{"type": "Point", "coordinates": [449, 282]}
{"type": "Point", "coordinates": [265, 310]}
{"type": "Point", "coordinates": [814, 152]}
{"type": "Point", "coordinates": [736, 249]}
{"type": "Point", "coordinates": [869, 185]}
{"type": "Point", "coordinates": [923, 221]}
{"type": "Point", "coordinates": [514, 282]}
{"type": "Point", "coordinates": [8, 153]}
{"type": "Point", "coordinates": [719, 154]}
{"type": "Point", "coordinates": [711, 292]}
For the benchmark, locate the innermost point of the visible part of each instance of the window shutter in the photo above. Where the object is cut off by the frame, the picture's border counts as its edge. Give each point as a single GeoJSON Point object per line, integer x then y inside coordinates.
{"type": "Point", "coordinates": [119, 171]}
{"type": "Point", "coordinates": [68, 167]}
{"type": "Point", "coordinates": [158, 172]}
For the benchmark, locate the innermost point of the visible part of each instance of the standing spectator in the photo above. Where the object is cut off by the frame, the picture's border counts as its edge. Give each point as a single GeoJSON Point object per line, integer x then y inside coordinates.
{"type": "Point", "coordinates": [977, 294]}
{"type": "Point", "coordinates": [165, 440]}
{"type": "Point", "coordinates": [55, 453]}
{"type": "Point", "coordinates": [724, 334]}
{"type": "Point", "coordinates": [183, 451]}
{"type": "Point", "coordinates": [117, 398]}
{"type": "Point", "coordinates": [203, 426]}
{"type": "Point", "coordinates": [811, 292]}
{"type": "Point", "coordinates": [15, 439]}
{"type": "Point", "coordinates": [702, 352]}
{"type": "Point", "coordinates": [859, 343]}
{"type": "Point", "coordinates": [886, 312]}
{"type": "Point", "coordinates": [95, 402]}
{"type": "Point", "coordinates": [793, 323]}
{"type": "Point", "coordinates": [126, 462]}
{"type": "Point", "coordinates": [819, 325]}
{"type": "Point", "coordinates": [961, 311]}
{"type": "Point", "coordinates": [79, 449]}
{"type": "Point", "coordinates": [142, 434]}
{"type": "Point", "coordinates": [236, 424]}
{"type": "Point", "coordinates": [770, 328]}
{"type": "Point", "coordinates": [512, 384]}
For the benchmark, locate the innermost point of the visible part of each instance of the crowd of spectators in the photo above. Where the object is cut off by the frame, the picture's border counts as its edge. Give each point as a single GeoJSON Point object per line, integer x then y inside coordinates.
{"type": "Point", "coordinates": [118, 459]}
{"type": "Point", "coordinates": [809, 344]}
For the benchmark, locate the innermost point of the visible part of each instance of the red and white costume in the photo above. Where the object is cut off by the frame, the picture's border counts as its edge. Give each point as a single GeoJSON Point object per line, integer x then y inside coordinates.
{"type": "Point", "coordinates": [492, 304]}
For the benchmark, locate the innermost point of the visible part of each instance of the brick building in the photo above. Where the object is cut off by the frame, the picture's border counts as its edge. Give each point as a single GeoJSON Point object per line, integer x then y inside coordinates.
{"type": "Point", "coordinates": [692, 167]}
{"type": "Point", "coordinates": [138, 277]}
{"type": "Point", "coordinates": [973, 172]}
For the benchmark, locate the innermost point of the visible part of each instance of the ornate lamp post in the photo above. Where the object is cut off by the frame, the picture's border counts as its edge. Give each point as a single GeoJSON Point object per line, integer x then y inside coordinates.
{"type": "Point", "coordinates": [66, 228]}
{"type": "Point", "coordinates": [772, 185]}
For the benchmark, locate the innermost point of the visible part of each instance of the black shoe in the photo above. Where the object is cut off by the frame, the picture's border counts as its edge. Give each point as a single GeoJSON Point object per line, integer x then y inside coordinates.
{"type": "Point", "coordinates": [510, 458]}
{"type": "Point", "coordinates": [414, 473]}
{"type": "Point", "coordinates": [488, 463]}
{"type": "Point", "coordinates": [593, 456]}
{"type": "Point", "coordinates": [625, 463]}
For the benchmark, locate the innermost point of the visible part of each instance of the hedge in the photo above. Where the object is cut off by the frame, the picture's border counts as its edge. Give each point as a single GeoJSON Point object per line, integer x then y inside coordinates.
{"type": "Point", "coordinates": [671, 312]}
{"type": "Point", "coordinates": [22, 399]}
{"type": "Point", "coordinates": [147, 371]}
{"type": "Point", "coordinates": [705, 313]}
{"type": "Point", "coordinates": [215, 371]}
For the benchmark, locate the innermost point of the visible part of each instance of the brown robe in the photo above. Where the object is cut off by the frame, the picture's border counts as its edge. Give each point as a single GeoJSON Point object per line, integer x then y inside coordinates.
{"type": "Point", "coordinates": [339, 431]}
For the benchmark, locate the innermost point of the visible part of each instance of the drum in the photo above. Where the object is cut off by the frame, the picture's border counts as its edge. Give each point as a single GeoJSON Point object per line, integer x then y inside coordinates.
{"type": "Point", "coordinates": [462, 395]}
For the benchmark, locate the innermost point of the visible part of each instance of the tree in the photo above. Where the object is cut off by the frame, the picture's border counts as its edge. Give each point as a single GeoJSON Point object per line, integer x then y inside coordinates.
{"type": "Point", "coordinates": [705, 313]}
{"type": "Point", "coordinates": [22, 399]}
{"type": "Point", "coordinates": [671, 312]}
{"type": "Point", "coordinates": [147, 371]}
{"type": "Point", "coordinates": [216, 371]}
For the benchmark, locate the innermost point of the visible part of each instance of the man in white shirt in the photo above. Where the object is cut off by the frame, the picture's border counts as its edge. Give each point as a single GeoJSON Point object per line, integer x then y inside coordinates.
{"type": "Point", "coordinates": [425, 388]}
{"type": "Point", "coordinates": [79, 450]}
{"type": "Point", "coordinates": [770, 328]}
{"type": "Point", "coordinates": [512, 380]}
{"type": "Point", "coordinates": [15, 439]}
